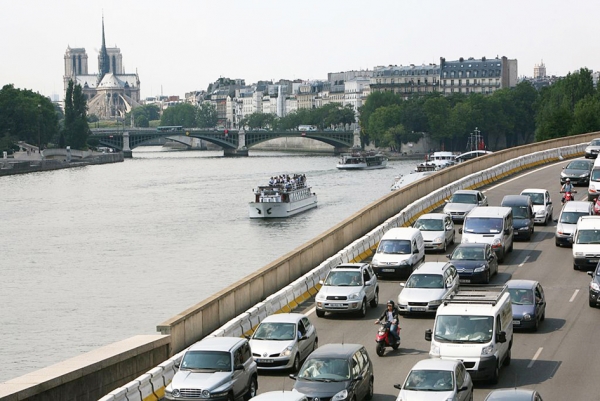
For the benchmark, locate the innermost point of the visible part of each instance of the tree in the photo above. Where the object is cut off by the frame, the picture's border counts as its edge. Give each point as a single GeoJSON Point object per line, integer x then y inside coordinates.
{"type": "Point", "coordinates": [183, 114]}
{"type": "Point", "coordinates": [144, 114]}
{"type": "Point", "coordinates": [207, 116]}
{"type": "Point", "coordinates": [76, 130]}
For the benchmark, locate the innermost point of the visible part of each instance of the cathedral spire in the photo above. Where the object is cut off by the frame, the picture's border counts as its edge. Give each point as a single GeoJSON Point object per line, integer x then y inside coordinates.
{"type": "Point", "coordinates": [103, 61]}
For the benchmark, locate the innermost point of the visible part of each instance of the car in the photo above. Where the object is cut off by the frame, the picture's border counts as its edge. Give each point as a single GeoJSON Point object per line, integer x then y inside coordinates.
{"type": "Point", "coordinates": [528, 303]}
{"type": "Point", "coordinates": [474, 262]}
{"type": "Point", "coordinates": [577, 171]}
{"type": "Point", "coordinates": [437, 379]}
{"type": "Point", "coordinates": [437, 229]}
{"type": "Point", "coordinates": [513, 394]}
{"type": "Point", "coordinates": [336, 372]}
{"type": "Point", "coordinates": [283, 395]}
{"type": "Point", "coordinates": [462, 201]}
{"type": "Point", "coordinates": [567, 220]}
{"type": "Point", "coordinates": [523, 216]}
{"type": "Point", "coordinates": [426, 287]}
{"type": "Point", "coordinates": [542, 204]}
{"type": "Point", "coordinates": [348, 288]}
{"type": "Point", "coordinates": [282, 341]}
{"type": "Point", "coordinates": [594, 290]}
{"type": "Point", "coordinates": [216, 368]}
{"type": "Point", "coordinates": [591, 151]}
{"type": "Point", "coordinates": [586, 243]}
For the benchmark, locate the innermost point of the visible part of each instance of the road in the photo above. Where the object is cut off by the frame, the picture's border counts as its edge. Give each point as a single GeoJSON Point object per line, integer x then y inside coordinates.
{"type": "Point", "coordinates": [559, 360]}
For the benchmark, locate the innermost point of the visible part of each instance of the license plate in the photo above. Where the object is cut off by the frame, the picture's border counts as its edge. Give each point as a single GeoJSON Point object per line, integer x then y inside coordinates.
{"type": "Point", "coordinates": [264, 360]}
{"type": "Point", "coordinates": [464, 280]}
{"type": "Point", "coordinates": [516, 322]}
{"type": "Point", "coordinates": [388, 270]}
{"type": "Point", "coordinates": [417, 309]}
{"type": "Point", "coordinates": [336, 305]}
{"type": "Point", "coordinates": [592, 260]}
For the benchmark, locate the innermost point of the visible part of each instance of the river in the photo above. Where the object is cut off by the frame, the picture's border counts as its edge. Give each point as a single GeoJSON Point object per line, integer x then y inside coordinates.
{"type": "Point", "coordinates": [97, 254]}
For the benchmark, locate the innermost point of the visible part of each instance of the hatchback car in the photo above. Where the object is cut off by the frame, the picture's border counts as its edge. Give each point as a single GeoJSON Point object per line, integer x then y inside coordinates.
{"type": "Point", "coordinates": [567, 220]}
{"type": "Point", "coordinates": [348, 288]}
{"type": "Point", "coordinates": [216, 368]}
{"type": "Point", "coordinates": [528, 303]}
{"type": "Point", "coordinates": [336, 372]}
{"type": "Point", "coordinates": [462, 201]}
{"type": "Point", "coordinates": [577, 171]}
{"type": "Point", "coordinates": [475, 263]}
{"type": "Point", "coordinates": [437, 379]}
{"type": "Point", "coordinates": [426, 287]}
{"type": "Point", "coordinates": [595, 287]}
{"type": "Point", "coordinates": [283, 340]}
{"type": "Point", "coordinates": [283, 395]}
{"type": "Point", "coordinates": [523, 216]}
{"type": "Point", "coordinates": [437, 230]}
{"type": "Point", "coordinates": [513, 394]}
{"type": "Point", "coordinates": [591, 151]}
{"type": "Point", "coordinates": [542, 204]}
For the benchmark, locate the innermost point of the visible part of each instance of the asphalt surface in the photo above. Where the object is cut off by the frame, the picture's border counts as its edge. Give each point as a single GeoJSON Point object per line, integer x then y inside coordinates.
{"type": "Point", "coordinates": [560, 360]}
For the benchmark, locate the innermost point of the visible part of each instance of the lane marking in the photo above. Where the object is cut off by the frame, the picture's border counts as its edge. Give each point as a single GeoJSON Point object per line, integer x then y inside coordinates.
{"type": "Point", "coordinates": [535, 357]}
{"type": "Point", "coordinates": [574, 295]}
{"type": "Point", "coordinates": [311, 310]}
{"type": "Point", "coordinates": [519, 176]}
{"type": "Point", "coordinates": [524, 261]}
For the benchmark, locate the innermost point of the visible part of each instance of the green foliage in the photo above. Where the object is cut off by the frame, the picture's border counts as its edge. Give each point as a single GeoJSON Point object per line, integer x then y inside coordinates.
{"type": "Point", "coordinates": [183, 114]}
{"type": "Point", "coordinates": [206, 116]}
{"type": "Point", "coordinates": [143, 115]}
{"type": "Point", "coordinates": [75, 130]}
{"type": "Point", "coordinates": [258, 120]}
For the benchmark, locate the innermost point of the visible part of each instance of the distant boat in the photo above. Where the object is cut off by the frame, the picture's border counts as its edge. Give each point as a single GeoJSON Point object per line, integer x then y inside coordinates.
{"type": "Point", "coordinates": [282, 199]}
{"type": "Point", "coordinates": [439, 160]}
{"type": "Point", "coordinates": [403, 180]}
{"type": "Point", "coordinates": [471, 155]}
{"type": "Point", "coordinates": [362, 161]}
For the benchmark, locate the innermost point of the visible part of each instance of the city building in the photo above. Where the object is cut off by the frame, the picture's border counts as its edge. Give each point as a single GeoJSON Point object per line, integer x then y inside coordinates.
{"type": "Point", "coordinates": [477, 75]}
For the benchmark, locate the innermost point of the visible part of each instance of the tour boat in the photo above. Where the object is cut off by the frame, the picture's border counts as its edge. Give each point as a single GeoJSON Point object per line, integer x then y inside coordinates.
{"type": "Point", "coordinates": [362, 161]}
{"type": "Point", "coordinates": [282, 199]}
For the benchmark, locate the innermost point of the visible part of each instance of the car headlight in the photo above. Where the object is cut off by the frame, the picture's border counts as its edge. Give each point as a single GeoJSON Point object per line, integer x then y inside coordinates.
{"type": "Point", "coordinates": [592, 188]}
{"type": "Point", "coordinates": [342, 395]}
{"type": "Point", "coordinates": [435, 350]}
{"type": "Point", "coordinates": [540, 212]}
{"type": "Point", "coordinates": [438, 240]}
{"type": "Point", "coordinates": [435, 302]}
{"type": "Point", "coordinates": [526, 316]}
{"type": "Point", "coordinates": [487, 350]}
{"type": "Point", "coordinates": [584, 175]}
{"type": "Point", "coordinates": [479, 269]}
{"type": "Point", "coordinates": [404, 262]}
{"type": "Point", "coordinates": [287, 351]}
{"type": "Point", "coordinates": [356, 295]}
{"type": "Point", "coordinates": [524, 228]}
{"type": "Point", "coordinates": [496, 242]}
{"type": "Point", "coordinates": [594, 286]}
{"type": "Point", "coordinates": [320, 297]}
{"type": "Point", "coordinates": [578, 253]}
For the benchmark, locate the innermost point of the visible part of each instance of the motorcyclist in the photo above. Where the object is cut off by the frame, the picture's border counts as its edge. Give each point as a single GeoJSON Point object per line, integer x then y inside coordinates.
{"type": "Point", "coordinates": [390, 316]}
{"type": "Point", "coordinates": [567, 187]}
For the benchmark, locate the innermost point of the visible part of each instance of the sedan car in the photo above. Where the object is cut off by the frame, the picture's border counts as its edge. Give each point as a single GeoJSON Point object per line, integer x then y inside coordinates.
{"type": "Point", "coordinates": [437, 230]}
{"type": "Point", "coordinates": [475, 263]}
{"type": "Point", "coordinates": [542, 204]}
{"type": "Point", "coordinates": [528, 303]}
{"type": "Point", "coordinates": [591, 151]}
{"type": "Point", "coordinates": [578, 171]}
{"type": "Point", "coordinates": [282, 341]}
{"type": "Point", "coordinates": [595, 287]}
{"type": "Point", "coordinates": [513, 394]}
{"type": "Point", "coordinates": [437, 379]}
{"type": "Point", "coordinates": [462, 201]}
{"type": "Point", "coordinates": [426, 287]}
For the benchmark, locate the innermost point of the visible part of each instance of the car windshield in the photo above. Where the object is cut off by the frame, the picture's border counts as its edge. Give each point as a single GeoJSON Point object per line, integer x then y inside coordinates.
{"type": "Point", "coordinates": [430, 224]}
{"type": "Point", "coordinates": [521, 296]}
{"type": "Point", "coordinates": [464, 198]}
{"type": "Point", "coordinates": [588, 237]}
{"type": "Point", "coordinates": [571, 217]}
{"type": "Point", "coordinates": [578, 165]}
{"type": "Point", "coordinates": [425, 281]}
{"type": "Point", "coordinates": [429, 380]}
{"type": "Point", "coordinates": [595, 175]}
{"type": "Point", "coordinates": [520, 212]}
{"type": "Point", "coordinates": [206, 360]}
{"type": "Point", "coordinates": [536, 197]}
{"type": "Point", "coordinates": [595, 142]}
{"type": "Point", "coordinates": [344, 279]}
{"type": "Point", "coordinates": [275, 331]}
{"type": "Point", "coordinates": [463, 328]}
{"type": "Point", "coordinates": [325, 369]}
{"type": "Point", "coordinates": [467, 253]}
{"type": "Point", "coordinates": [482, 225]}
{"type": "Point", "coordinates": [395, 246]}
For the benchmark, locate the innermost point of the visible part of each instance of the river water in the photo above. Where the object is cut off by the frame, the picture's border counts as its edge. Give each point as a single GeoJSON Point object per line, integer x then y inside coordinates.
{"type": "Point", "coordinates": [97, 254]}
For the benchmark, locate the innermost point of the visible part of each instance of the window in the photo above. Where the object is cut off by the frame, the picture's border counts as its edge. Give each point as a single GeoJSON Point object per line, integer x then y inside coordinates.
{"type": "Point", "coordinates": [355, 365]}
{"type": "Point", "coordinates": [460, 375]}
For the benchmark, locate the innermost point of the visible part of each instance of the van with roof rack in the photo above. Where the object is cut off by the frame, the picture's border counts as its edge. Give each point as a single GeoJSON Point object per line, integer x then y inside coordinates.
{"type": "Point", "coordinates": [474, 325]}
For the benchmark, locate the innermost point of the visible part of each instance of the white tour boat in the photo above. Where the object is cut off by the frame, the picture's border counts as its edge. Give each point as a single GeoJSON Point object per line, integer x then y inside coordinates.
{"type": "Point", "coordinates": [362, 161]}
{"type": "Point", "coordinates": [278, 199]}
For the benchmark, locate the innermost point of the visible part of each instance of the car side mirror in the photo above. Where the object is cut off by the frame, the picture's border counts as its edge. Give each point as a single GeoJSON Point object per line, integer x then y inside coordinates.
{"type": "Point", "coordinates": [398, 386]}
{"type": "Point", "coordinates": [404, 284]}
{"type": "Point", "coordinates": [176, 364]}
{"type": "Point", "coordinates": [358, 378]}
{"type": "Point", "coordinates": [570, 240]}
{"type": "Point", "coordinates": [555, 220]}
{"type": "Point", "coordinates": [549, 202]}
{"type": "Point", "coordinates": [591, 274]}
{"type": "Point", "coordinates": [415, 250]}
{"type": "Point", "coordinates": [460, 230]}
{"type": "Point", "coordinates": [239, 367]}
{"type": "Point", "coordinates": [428, 334]}
{"type": "Point", "coordinates": [368, 282]}
{"type": "Point", "coordinates": [446, 200]}
{"type": "Point", "coordinates": [304, 337]}
{"type": "Point", "coordinates": [448, 256]}
{"type": "Point", "coordinates": [321, 282]}
{"type": "Point", "coordinates": [507, 231]}
{"type": "Point", "coordinates": [292, 376]}
{"type": "Point", "coordinates": [463, 388]}
{"type": "Point", "coordinates": [501, 337]}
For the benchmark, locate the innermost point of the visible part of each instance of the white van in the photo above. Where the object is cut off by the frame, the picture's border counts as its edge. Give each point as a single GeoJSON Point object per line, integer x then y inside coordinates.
{"type": "Point", "coordinates": [489, 225]}
{"type": "Point", "coordinates": [586, 243]}
{"type": "Point", "coordinates": [475, 326]}
{"type": "Point", "coordinates": [399, 253]}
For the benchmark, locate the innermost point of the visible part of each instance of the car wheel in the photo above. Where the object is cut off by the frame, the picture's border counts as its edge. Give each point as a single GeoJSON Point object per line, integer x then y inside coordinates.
{"type": "Point", "coordinates": [495, 375]}
{"type": "Point", "coordinates": [592, 304]}
{"type": "Point", "coordinates": [375, 300]}
{"type": "Point", "coordinates": [536, 325]}
{"type": "Point", "coordinates": [453, 238]}
{"type": "Point", "coordinates": [508, 358]}
{"type": "Point", "coordinates": [363, 308]}
{"type": "Point", "coordinates": [556, 243]}
{"type": "Point", "coordinates": [501, 257]}
{"type": "Point", "coordinates": [471, 396]}
{"type": "Point", "coordinates": [371, 390]}
{"type": "Point", "coordinates": [510, 248]}
{"type": "Point", "coordinates": [575, 267]}
{"type": "Point", "coordinates": [445, 246]}
{"type": "Point", "coordinates": [230, 397]}
{"type": "Point", "coordinates": [316, 344]}
{"type": "Point", "coordinates": [296, 365]}
{"type": "Point", "coordinates": [486, 279]}
{"type": "Point", "coordinates": [543, 316]}
{"type": "Point", "coordinates": [320, 313]}
{"type": "Point", "coordinates": [252, 389]}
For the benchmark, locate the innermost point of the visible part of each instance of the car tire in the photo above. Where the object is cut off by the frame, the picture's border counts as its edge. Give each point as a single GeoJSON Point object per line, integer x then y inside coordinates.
{"type": "Point", "coordinates": [510, 248]}
{"type": "Point", "coordinates": [592, 303]}
{"type": "Point", "coordinates": [363, 308]}
{"type": "Point", "coordinates": [575, 267]}
{"type": "Point", "coordinates": [471, 396]}
{"type": "Point", "coordinates": [495, 375]}
{"type": "Point", "coordinates": [296, 365]}
{"type": "Point", "coordinates": [501, 258]}
{"type": "Point", "coordinates": [375, 300]}
{"type": "Point", "coordinates": [508, 358]}
{"type": "Point", "coordinates": [320, 313]}
{"type": "Point", "coordinates": [486, 279]}
{"type": "Point", "coordinates": [252, 389]}
{"type": "Point", "coordinates": [556, 243]}
{"type": "Point", "coordinates": [536, 325]}
{"type": "Point", "coordinates": [316, 344]}
{"type": "Point", "coordinates": [543, 316]}
{"type": "Point", "coordinates": [230, 397]}
{"type": "Point", "coordinates": [371, 390]}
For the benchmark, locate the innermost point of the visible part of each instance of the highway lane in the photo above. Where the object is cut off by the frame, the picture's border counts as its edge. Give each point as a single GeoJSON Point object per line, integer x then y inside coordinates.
{"type": "Point", "coordinates": [559, 360]}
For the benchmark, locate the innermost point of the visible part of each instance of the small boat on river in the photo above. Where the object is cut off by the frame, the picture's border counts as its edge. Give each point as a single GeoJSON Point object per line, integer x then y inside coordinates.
{"type": "Point", "coordinates": [284, 196]}
{"type": "Point", "coordinates": [362, 161]}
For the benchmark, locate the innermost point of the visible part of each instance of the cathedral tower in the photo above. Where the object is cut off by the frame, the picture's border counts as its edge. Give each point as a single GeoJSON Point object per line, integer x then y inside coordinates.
{"type": "Point", "coordinates": [103, 59]}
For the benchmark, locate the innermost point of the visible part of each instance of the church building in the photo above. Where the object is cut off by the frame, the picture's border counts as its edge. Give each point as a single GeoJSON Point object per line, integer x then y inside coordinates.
{"type": "Point", "coordinates": [111, 92]}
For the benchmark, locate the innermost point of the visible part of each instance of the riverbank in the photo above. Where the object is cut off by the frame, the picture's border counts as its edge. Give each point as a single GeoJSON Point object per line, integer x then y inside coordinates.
{"type": "Point", "coordinates": [12, 166]}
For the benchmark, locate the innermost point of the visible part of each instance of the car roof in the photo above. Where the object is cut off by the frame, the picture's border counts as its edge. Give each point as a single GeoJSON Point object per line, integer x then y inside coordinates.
{"type": "Point", "coordinates": [284, 318]}
{"type": "Point", "coordinates": [283, 395]}
{"type": "Point", "coordinates": [534, 190]}
{"type": "Point", "coordinates": [335, 350]}
{"type": "Point", "coordinates": [350, 266]}
{"type": "Point", "coordinates": [515, 199]}
{"type": "Point", "coordinates": [216, 344]}
{"type": "Point", "coordinates": [440, 216]}
{"type": "Point", "coordinates": [432, 267]}
{"type": "Point", "coordinates": [590, 162]}
{"type": "Point", "coordinates": [573, 206]}
{"type": "Point", "coordinates": [489, 211]}
{"type": "Point", "coordinates": [510, 394]}
{"type": "Point", "coordinates": [467, 191]}
{"type": "Point", "coordinates": [435, 364]}
{"type": "Point", "coordinates": [471, 245]}
{"type": "Point", "coordinates": [523, 284]}
{"type": "Point", "coordinates": [588, 222]}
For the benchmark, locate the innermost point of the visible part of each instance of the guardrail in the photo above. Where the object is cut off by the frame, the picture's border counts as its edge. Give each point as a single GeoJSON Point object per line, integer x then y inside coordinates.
{"type": "Point", "coordinates": [146, 387]}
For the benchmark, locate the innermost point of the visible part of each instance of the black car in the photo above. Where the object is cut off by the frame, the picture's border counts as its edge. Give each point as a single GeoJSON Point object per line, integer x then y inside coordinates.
{"type": "Point", "coordinates": [578, 171]}
{"type": "Point", "coordinates": [528, 303]}
{"type": "Point", "coordinates": [475, 263]}
{"type": "Point", "coordinates": [523, 217]}
{"type": "Point", "coordinates": [336, 371]}
{"type": "Point", "coordinates": [595, 287]}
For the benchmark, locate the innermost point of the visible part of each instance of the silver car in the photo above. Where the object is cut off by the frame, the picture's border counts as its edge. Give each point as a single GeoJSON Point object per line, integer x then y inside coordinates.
{"type": "Point", "coordinates": [427, 286]}
{"type": "Point", "coordinates": [591, 151]}
{"type": "Point", "coordinates": [282, 341]}
{"type": "Point", "coordinates": [542, 204]}
{"type": "Point", "coordinates": [462, 202]}
{"type": "Point", "coordinates": [567, 220]}
{"type": "Point", "coordinates": [437, 230]}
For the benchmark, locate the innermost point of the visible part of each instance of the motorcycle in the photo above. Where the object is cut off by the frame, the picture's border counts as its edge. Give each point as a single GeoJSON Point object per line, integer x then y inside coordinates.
{"type": "Point", "coordinates": [568, 196]}
{"type": "Point", "coordinates": [383, 339]}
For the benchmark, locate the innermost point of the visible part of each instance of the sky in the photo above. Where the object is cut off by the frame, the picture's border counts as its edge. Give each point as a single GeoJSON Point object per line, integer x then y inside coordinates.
{"type": "Point", "coordinates": [179, 46]}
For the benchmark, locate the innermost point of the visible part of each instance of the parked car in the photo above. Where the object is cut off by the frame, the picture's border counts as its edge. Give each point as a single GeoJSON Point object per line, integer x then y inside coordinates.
{"type": "Point", "coordinates": [523, 216]}
{"type": "Point", "coordinates": [567, 220]}
{"type": "Point", "coordinates": [283, 395]}
{"type": "Point", "coordinates": [591, 151]}
{"type": "Point", "coordinates": [528, 303]}
{"type": "Point", "coordinates": [219, 368]}
{"type": "Point", "coordinates": [462, 201]}
{"type": "Point", "coordinates": [437, 229]}
{"type": "Point", "coordinates": [348, 288]}
{"type": "Point", "coordinates": [336, 372]}
{"type": "Point", "coordinates": [437, 379]}
{"type": "Point", "coordinates": [474, 262]}
{"type": "Point", "coordinates": [577, 171]}
{"type": "Point", "coordinates": [542, 204]}
{"type": "Point", "coordinates": [594, 290]}
{"type": "Point", "coordinates": [282, 341]}
{"type": "Point", "coordinates": [513, 394]}
{"type": "Point", "coordinates": [426, 287]}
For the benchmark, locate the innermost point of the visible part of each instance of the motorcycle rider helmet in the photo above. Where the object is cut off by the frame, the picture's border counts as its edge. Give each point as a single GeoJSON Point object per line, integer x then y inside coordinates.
{"type": "Point", "coordinates": [568, 180]}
